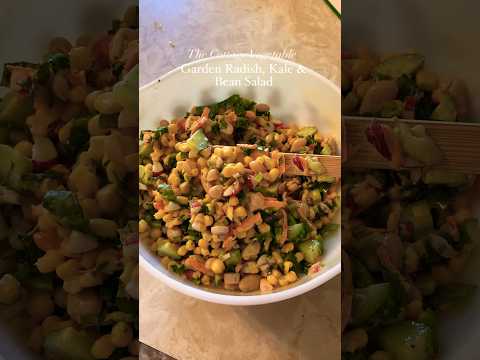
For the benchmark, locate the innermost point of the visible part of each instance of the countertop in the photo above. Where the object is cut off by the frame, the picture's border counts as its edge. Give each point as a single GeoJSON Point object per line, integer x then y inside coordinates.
{"type": "Point", "coordinates": [172, 33]}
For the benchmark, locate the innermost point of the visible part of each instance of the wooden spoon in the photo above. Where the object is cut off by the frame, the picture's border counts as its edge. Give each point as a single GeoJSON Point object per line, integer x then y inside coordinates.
{"type": "Point", "coordinates": [459, 143]}
{"type": "Point", "coordinates": [297, 164]}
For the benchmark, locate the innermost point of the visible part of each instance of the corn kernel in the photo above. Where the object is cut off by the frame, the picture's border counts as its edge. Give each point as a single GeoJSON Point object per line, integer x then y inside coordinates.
{"type": "Point", "coordinates": [276, 273]}
{"type": "Point", "coordinates": [217, 266]}
{"type": "Point", "coordinates": [203, 243]}
{"type": "Point", "coordinates": [182, 250]}
{"type": "Point", "coordinates": [233, 201]}
{"type": "Point", "coordinates": [283, 281]}
{"type": "Point", "coordinates": [197, 251]}
{"type": "Point", "coordinates": [264, 228]}
{"type": "Point", "coordinates": [291, 276]}
{"type": "Point", "coordinates": [287, 265]}
{"type": "Point", "coordinates": [190, 245]}
{"type": "Point", "coordinates": [272, 280]}
{"type": "Point", "coordinates": [202, 162]}
{"type": "Point", "coordinates": [229, 213]}
{"type": "Point", "coordinates": [240, 212]}
{"type": "Point", "coordinates": [247, 160]}
{"type": "Point", "coordinates": [208, 220]}
{"type": "Point", "coordinates": [204, 252]}
{"type": "Point", "coordinates": [239, 168]}
{"type": "Point", "coordinates": [287, 247]}
{"type": "Point", "coordinates": [273, 174]}
{"type": "Point", "coordinates": [229, 170]}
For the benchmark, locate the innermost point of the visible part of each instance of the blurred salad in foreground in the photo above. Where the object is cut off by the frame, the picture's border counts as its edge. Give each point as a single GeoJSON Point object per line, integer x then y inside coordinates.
{"type": "Point", "coordinates": [406, 235]}
{"type": "Point", "coordinates": [68, 196]}
{"type": "Point", "coordinates": [400, 85]}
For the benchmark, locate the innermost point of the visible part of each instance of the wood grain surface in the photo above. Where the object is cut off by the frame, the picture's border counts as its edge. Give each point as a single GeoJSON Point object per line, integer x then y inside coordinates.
{"type": "Point", "coordinates": [458, 142]}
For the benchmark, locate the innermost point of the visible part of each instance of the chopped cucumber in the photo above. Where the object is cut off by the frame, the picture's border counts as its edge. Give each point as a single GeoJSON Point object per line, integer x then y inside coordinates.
{"type": "Point", "coordinates": [396, 66]}
{"type": "Point", "coordinates": [168, 249]}
{"type": "Point", "coordinates": [69, 344]}
{"type": "Point", "coordinates": [234, 259]}
{"type": "Point", "coordinates": [408, 340]}
{"type": "Point", "coordinates": [367, 301]}
{"type": "Point", "coordinates": [198, 141]}
{"type": "Point", "coordinates": [445, 111]}
{"type": "Point", "coordinates": [13, 166]}
{"type": "Point", "coordinates": [312, 250]}
{"type": "Point", "coordinates": [297, 232]}
{"type": "Point", "coordinates": [307, 131]}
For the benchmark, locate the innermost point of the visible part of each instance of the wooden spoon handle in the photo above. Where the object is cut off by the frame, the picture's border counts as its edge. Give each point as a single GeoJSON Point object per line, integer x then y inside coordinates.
{"type": "Point", "coordinates": [298, 164]}
{"type": "Point", "coordinates": [459, 143]}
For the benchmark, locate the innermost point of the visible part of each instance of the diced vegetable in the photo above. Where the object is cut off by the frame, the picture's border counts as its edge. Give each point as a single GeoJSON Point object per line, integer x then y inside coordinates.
{"type": "Point", "coordinates": [297, 232]}
{"type": "Point", "coordinates": [417, 144]}
{"type": "Point", "coordinates": [367, 301]}
{"type": "Point", "coordinates": [399, 65]}
{"type": "Point", "coordinates": [312, 250]}
{"type": "Point", "coordinates": [168, 249]}
{"type": "Point", "coordinates": [64, 205]}
{"type": "Point", "coordinates": [198, 141]}
{"type": "Point", "coordinates": [234, 259]}
{"type": "Point", "coordinates": [307, 131]}
{"type": "Point", "coordinates": [315, 165]}
{"type": "Point", "coordinates": [445, 111]}
{"type": "Point", "coordinates": [408, 340]}
{"type": "Point", "coordinates": [167, 192]}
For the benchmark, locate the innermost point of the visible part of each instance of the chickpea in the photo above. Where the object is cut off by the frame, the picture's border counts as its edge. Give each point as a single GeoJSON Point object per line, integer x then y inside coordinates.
{"type": "Point", "coordinates": [50, 261]}
{"type": "Point", "coordinates": [273, 174]}
{"type": "Point", "coordinates": [103, 347]}
{"type": "Point", "coordinates": [122, 334]}
{"type": "Point", "coordinates": [83, 304]}
{"type": "Point", "coordinates": [216, 191]}
{"type": "Point", "coordinates": [9, 289]}
{"type": "Point", "coordinates": [40, 306]}
{"type": "Point", "coordinates": [217, 266]}
{"type": "Point", "coordinates": [212, 175]}
{"type": "Point", "coordinates": [249, 283]}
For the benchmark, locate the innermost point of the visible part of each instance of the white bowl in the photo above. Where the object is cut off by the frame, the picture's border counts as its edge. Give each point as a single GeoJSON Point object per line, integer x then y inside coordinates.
{"type": "Point", "coordinates": [45, 21]}
{"type": "Point", "coordinates": [301, 96]}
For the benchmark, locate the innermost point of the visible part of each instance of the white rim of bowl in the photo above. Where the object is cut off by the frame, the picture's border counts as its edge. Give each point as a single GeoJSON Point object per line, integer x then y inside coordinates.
{"type": "Point", "coordinates": [240, 299]}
